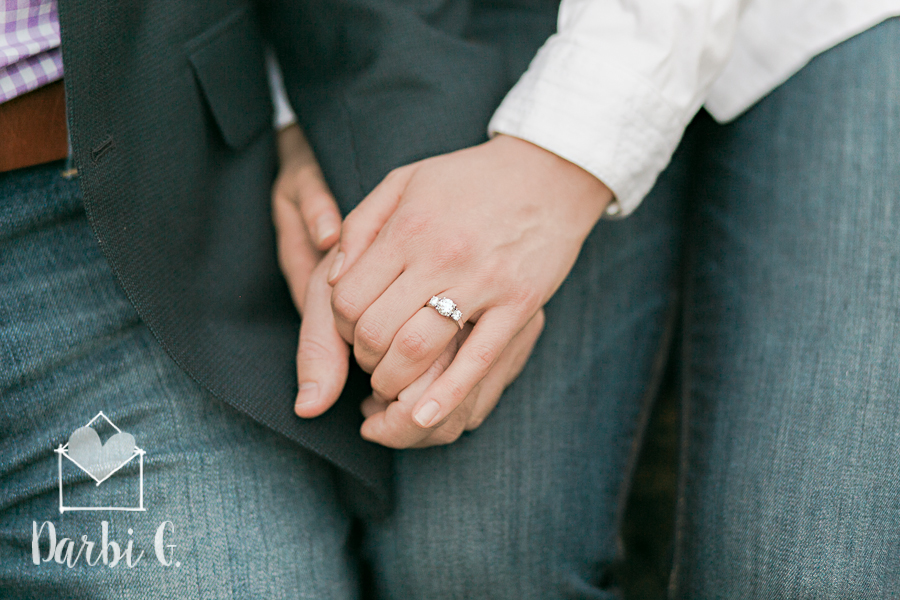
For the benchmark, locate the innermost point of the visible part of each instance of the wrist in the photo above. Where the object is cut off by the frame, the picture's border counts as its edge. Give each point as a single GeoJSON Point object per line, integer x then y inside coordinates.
{"type": "Point", "coordinates": [293, 149]}
{"type": "Point", "coordinates": [587, 195]}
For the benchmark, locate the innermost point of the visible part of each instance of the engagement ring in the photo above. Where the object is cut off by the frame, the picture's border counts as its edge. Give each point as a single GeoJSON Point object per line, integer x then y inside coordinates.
{"type": "Point", "coordinates": [447, 308]}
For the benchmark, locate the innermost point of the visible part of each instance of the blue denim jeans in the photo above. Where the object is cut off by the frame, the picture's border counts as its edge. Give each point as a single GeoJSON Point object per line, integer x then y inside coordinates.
{"type": "Point", "coordinates": [776, 239]}
{"type": "Point", "coordinates": [781, 230]}
{"type": "Point", "coordinates": [249, 513]}
{"type": "Point", "coordinates": [791, 442]}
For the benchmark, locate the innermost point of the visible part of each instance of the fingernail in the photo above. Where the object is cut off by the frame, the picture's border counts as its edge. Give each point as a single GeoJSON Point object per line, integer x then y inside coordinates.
{"type": "Point", "coordinates": [336, 266]}
{"type": "Point", "coordinates": [324, 228]}
{"type": "Point", "coordinates": [308, 394]}
{"type": "Point", "coordinates": [427, 413]}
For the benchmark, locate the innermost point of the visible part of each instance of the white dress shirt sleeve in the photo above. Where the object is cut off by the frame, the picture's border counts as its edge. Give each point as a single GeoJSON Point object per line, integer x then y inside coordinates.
{"type": "Point", "coordinates": [614, 89]}
{"type": "Point", "coordinates": [283, 113]}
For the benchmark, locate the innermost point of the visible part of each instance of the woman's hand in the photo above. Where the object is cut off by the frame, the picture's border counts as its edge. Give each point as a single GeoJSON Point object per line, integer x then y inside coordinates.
{"type": "Point", "coordinates": [496, 228]}
{"type": "Point", "coordinates": [323, 359]}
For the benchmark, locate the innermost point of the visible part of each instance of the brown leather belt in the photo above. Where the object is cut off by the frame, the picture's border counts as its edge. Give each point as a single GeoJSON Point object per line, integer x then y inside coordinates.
{"type": "Point", "coordinates": [33, 128]}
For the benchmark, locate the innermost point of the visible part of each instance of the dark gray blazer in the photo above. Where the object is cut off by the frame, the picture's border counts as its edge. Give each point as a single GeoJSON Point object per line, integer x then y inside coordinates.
{"type": "Point", "coordinates": [170, 122]}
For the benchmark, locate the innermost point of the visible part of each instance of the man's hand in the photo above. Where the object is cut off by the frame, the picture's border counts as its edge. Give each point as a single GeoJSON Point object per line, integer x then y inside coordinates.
{"type": "Point", "coordinates": [323, 358]}
{"type": "Point", "coordinates": [496, 228]}
{"type": "Point", "coordinates": [307, 219]}
{"type": "Point", "coordinates": [390, 423]}
{"type": "Point", "coordinates": [307, 223]}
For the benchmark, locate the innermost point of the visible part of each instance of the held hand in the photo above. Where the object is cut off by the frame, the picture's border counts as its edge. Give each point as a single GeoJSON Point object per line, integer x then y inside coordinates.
{"type": "Point", "coordinates": [390, 423]}
{"type": "Point", "coordinates": [307, 223]}
{"type": "Point", "coordinates": [496, 228]}
{"type": "Point", "coordinates": [323, 358]}
{"type": "Point", "coordinates": [307, 219]}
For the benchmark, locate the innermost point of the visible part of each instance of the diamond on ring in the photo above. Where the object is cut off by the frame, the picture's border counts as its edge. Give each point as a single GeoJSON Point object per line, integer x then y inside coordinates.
{"type": "Point", "coordinates": [446, 308]}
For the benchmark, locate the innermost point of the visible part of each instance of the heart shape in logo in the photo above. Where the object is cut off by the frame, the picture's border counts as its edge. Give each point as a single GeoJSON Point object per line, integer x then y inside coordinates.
{"type": "Point", "coordinates": [99, 460]}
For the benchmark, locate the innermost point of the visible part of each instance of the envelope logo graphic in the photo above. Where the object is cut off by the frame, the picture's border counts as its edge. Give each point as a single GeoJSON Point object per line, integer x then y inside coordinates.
{"type": "Point", "coordinates": [101, 461]}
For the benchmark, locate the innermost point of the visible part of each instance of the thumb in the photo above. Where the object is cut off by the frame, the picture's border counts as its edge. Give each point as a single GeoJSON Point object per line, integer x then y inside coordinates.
{"type": "Point", "coordinates": [322, 356]}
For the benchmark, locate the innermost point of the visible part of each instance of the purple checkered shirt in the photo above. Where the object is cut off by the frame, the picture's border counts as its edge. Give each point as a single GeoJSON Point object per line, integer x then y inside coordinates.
{"type": "Point", "coordinates": [29, 46]}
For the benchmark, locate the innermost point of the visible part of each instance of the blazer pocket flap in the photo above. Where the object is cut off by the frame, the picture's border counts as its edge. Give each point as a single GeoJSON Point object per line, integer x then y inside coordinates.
{"type": "Point", "coordinates": [229, 64]}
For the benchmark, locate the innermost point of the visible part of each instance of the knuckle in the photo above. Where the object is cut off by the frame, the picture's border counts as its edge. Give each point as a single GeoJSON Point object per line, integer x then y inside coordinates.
{"type": "Point", "coordinates": [413, 346]}
{"type": "Point", "coordinates": [366, 361]}
{"type": "Point", "coordinates": [312, 350]}
{"type": "Point", "coordinates": [369, 337]}
{"type": "Point", "coordinates": [395, 444]}
{"type": "Point", "coordinates": [367, 435]}
{"type": "Point", "coordinates": [482, 356]}
{"type": "Point", "coordinates": [345, 305]}
{"type": "Point", "coordinates": [456, 391]}
{"type": "Point", "coordinates": [294, 184]}
{"type": "Point", "coordinates": [452, 253]}
{"type": "Point", "coordinates": [524, 298]}
{"type": "Point", "coordinates": [409, 227]}
{"type": "Point", "coordinates": [381, 386]}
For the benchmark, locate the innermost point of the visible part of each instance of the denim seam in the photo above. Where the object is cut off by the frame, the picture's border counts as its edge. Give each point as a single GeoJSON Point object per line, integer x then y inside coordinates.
{"type": "Point", "coordinates": [648, 401]}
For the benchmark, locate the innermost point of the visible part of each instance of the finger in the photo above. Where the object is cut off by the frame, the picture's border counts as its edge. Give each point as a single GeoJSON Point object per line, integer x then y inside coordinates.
{"type": "Point", "coordinates": [376, 331]}
{"type": "Point", "coordinates": [320, 211]}
{"type": "Point", "coordinates": [474, 360]}
{"type": "Point", "coordinates": [358, 290]}
{"type": "Point", "coordinates": [391, 427]}
{"type": "Point", "coordinates": [371, 406]}
{"type": "Point", "coordinates": [412, 350]}
{"type": "Point", "coordinates": [297, 257]}
{"type": "Point", "coordinates": [508, 367]}
{"type": "Point", "coordinates": [302, 183]}
{"type": "Point", "coordinates": [411, 393]}
{"type": "Point", "coordinates": [322, 356]}
{"type": "Point", "coordinates": [484, 397]}
{"type": "Point", "coordinates": [395, 429]}
{"type": "Point", "coordinates": [450, 429]}
{"type": "Point", "coordinates": [364, 222]}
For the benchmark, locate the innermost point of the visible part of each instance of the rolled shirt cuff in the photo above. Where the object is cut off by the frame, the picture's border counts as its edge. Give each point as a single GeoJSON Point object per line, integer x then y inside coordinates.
{"type": "Point", "coordinates": [621, 129]}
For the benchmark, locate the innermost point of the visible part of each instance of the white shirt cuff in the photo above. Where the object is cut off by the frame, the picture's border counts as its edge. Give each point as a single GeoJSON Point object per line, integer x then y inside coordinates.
{"type": "Point", "coordinates": [608, 120]}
